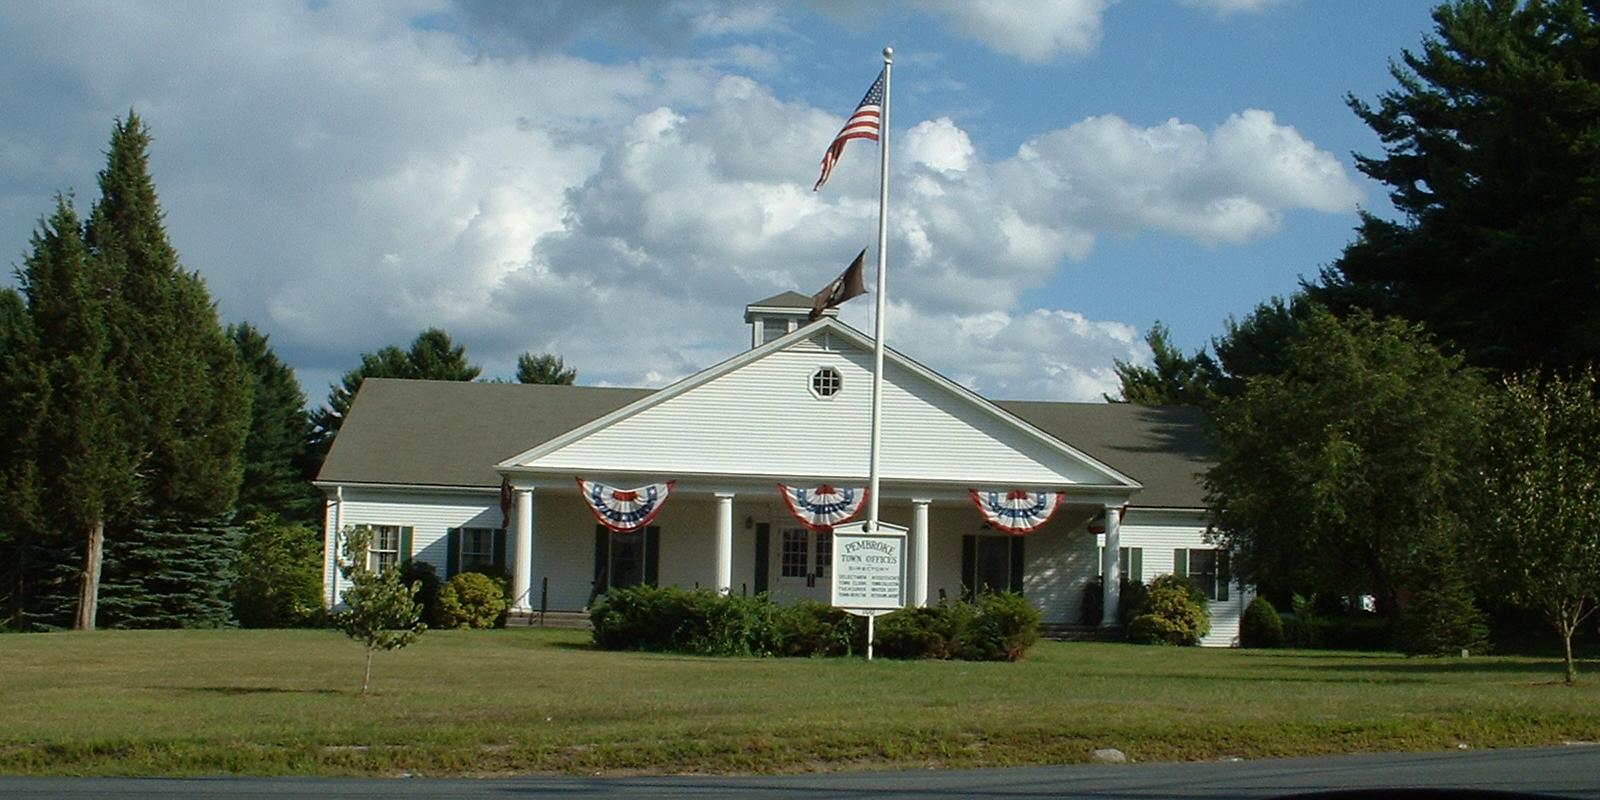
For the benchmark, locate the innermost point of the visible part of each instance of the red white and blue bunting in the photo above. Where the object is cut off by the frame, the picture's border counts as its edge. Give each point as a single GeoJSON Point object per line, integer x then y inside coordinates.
{"type": "Point", "coordinates": [825, 506]}
{"type": "Point", "coordinates": [1017, 512]}
{"type": "Point", "coordinates": [624, 510]}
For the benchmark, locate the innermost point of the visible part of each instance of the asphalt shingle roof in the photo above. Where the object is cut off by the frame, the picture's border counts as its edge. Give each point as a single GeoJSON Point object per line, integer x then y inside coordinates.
{"type": "Point", "coordinates": [449, 433]}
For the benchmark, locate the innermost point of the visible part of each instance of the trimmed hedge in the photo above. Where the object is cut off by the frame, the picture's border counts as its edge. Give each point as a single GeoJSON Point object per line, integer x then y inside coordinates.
{"type": "Point", "coordinates": [996, 627]}
{"type": "Point", "coordinates": [1174, 612]}
{"type": "Point", "coordinates": [472, 600]}
{"type": "Point", "coordinates": [1261, 626]}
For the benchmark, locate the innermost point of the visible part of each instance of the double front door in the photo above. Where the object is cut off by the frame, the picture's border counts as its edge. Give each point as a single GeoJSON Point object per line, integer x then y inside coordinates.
{"type": "Point", "coordinates": [799, 564]}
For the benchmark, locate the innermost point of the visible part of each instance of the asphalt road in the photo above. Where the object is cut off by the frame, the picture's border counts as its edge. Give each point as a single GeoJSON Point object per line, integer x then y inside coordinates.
{"type": "Point", "coordinates": [1572, 771]}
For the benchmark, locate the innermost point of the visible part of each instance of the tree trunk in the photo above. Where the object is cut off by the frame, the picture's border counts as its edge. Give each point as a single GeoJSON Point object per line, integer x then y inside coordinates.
{"type": "Point", "coordinates": [89, 580]}
{"type": "Point", "coordinates": [366, 680]}
{"type": "Point", "coordinates": [1566, 638]}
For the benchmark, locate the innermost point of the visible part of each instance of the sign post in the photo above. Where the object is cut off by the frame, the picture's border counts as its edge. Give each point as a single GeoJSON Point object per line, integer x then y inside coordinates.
{"type": "Point", "coordinates": [869, 571]}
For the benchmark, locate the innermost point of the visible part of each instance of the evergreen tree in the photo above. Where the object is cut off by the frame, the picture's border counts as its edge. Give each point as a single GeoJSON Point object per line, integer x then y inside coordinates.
{"type": "Point", "coordinates": [546, 368]}
{"type": "Point", "coordinates": [1259, 344]}
{"type": "Point", "coordinates": [79, 451]}
{"type": "Point", "coordinates": [1492, 152]}
{"type": "Point", "coordinates": [24, 394]}
{"type": "Point", "coordinates": [1176, 379]}
{"type": "Point", "coordinates": [187, 402]}
{"type": "Point", "coordinates": [274, 449]}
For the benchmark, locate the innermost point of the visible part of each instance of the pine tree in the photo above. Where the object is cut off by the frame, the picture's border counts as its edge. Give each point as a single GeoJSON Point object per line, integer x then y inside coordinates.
{"type": "Point", "coordinates": [1176, 379]}
{"type": "Point", "coordinates": [546, 368]}
{"type": "Point", "coordinates": [187, 402]}
{"type": "Point", "coordinates": [274, 450]}
{"type": "Point", "coordinates": [1491, 150]}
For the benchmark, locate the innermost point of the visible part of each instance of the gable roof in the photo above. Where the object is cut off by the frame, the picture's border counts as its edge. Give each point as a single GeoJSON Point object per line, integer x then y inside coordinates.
{"type": "Point", "coordinates": [1163, 447]}
{"type": "Point", "coordinates": [451, 433]}
{"type": "Point", "coordinates": [1003, 425]}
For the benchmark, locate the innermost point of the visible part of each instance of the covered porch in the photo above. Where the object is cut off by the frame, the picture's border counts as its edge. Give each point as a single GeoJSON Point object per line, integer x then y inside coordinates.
{"type": "Point", "coordinates": [738, 536]}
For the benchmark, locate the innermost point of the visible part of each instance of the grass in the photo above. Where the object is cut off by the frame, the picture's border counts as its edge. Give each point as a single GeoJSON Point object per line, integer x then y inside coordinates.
{"type": "Point", "coordinates": [496, 702]}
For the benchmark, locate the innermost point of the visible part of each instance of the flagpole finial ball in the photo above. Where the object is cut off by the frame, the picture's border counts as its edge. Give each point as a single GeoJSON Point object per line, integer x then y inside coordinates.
{"type": "Point", "coordinates": [888, 54]}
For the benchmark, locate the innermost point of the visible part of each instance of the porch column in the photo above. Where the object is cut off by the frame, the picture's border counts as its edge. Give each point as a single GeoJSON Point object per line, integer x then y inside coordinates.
{"type": "Point", "coordinates": [919, 552]}
{"type": "Point", "coordinates": [522, 553]}
{"type": "Point", "coordinates": [724, 542]}
{"type": "Point", "coordinates": [1112, 595]}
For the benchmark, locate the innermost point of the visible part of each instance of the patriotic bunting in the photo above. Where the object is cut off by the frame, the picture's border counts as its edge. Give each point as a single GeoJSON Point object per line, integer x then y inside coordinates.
{"type": "Point", "coordinates": [1017, 512]}
{"type": "Point", "coordinates": [823, 507]}
{"type": "Point", "coordinates": [624, 510]}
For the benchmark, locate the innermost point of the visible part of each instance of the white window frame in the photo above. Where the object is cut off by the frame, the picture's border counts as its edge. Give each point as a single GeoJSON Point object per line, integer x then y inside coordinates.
{"type": "Point", "coordinates": [378, 551]}
{"type": "Point", "coordinates": [819, 375]}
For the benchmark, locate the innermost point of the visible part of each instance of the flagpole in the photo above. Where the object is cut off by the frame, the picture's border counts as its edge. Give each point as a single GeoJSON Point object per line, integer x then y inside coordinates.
{"type": "Point", "coordinates": [877, 328]}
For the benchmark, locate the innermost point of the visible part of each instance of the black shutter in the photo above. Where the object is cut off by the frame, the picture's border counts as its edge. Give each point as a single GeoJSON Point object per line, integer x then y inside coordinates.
{"type": "Point", "coordinates": [452, 561]}
{"type": "Point", "coordinates": [969, 567]}
{"type": "Point", "coordinates": [652, 554]}
{"type": "Point", "coordinates": [405, 544]}
{"type": "Point", "coordinates": [1135, 568]}
{"type": "Point", "coordinates": [601, 550]}
{"type": "Point", "coordinates": [763, 553]}
{"type": "Point", "coordinates": [1180, 563]}
{"type": "Point", "coordinates": [1018, 563]}
{"type": "Point", "coordinates": [500, 551]}
{"type": "Point", "coordinates": [1223, 576]}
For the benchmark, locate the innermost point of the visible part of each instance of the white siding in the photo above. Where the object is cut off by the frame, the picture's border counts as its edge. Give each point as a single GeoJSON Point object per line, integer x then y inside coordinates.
{"type": "Point", "coordinates": [1060, 559]}
{"type": "Point", "coordinates": [430, 516]}
{"type": "Point", "coordinates": [1160, 533]}
{"type": "Point", "coordinates": [762, 419]}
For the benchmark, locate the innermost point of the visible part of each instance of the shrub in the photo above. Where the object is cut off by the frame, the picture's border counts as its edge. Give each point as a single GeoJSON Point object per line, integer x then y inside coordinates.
{"type": "Point", "coordinates": [639, 618]}
{"type": "Point", "coordinates": [1093, 607]}
{"type": "Point", "coordinates": [472, 600]}
{"type": "Point", "coordinates": [931, 632]}
{"type": "Point", "coordinates": [1299, 628]}
{"type": "Point", "coordinates": [1261, 626]}
{"type": "Point", "coordinates": [731, 625]}
{"type": "Point", "coordinates": [428, 584]}
{"type": "Point", "coordinates": [817, 629]}
{"type": "Point", "coordinates": [1170, 615]}
{"type": "Point", "coordinates": [278, 571]}
{"type": "Point", "coordinates": [1003, 629]}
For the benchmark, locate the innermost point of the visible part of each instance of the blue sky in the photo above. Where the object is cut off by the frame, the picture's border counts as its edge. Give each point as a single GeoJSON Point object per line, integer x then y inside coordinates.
{"type": "Point", "coordinates": [614, 181]}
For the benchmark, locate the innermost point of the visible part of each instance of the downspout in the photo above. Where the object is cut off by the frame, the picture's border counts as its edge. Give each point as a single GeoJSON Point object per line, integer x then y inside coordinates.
{"type": "Point", "coordinates": [333, 545]}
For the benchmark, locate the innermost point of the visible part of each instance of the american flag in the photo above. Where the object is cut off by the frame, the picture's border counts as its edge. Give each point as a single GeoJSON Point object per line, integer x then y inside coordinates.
{"type": "Point", "coordinates": [863, 124]}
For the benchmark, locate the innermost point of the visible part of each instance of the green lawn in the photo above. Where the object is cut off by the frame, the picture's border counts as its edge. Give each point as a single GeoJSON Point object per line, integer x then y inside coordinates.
{"type": "Point", "coordinates": [280, 702]}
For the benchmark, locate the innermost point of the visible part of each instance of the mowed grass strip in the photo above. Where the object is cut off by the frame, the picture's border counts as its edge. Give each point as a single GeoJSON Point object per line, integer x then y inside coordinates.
{"type": "Point", "coordinates": [520, 701]}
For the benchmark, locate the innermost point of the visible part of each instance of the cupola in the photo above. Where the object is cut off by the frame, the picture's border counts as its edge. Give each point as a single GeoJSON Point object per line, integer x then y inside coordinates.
{"type": "Point", "coordinates": [778, 315]}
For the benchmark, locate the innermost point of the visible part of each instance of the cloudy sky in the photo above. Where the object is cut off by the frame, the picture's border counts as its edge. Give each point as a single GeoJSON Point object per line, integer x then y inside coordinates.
{"type": "Point", "coordinates": [613, 182]}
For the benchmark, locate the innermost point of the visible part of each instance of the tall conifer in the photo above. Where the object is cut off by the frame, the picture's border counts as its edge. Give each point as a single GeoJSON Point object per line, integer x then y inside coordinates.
{"type": "Point", "coordinates": [78, 449]}
{"type": "Point", "coordinates": [279, 432]}
{"type": "Point", "coordinates": [187, 402]}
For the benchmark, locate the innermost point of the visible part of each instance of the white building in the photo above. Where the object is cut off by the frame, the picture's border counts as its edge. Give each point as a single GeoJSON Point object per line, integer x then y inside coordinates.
{"type": "Point", "coordinates": [424, 461]}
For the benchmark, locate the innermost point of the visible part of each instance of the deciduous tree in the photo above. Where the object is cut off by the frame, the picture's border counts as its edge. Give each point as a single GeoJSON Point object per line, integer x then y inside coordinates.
{"type": "Point", "coordinates": [1540, 542]}
{"type": "Point", "coordinates": [1334, 471]}
{"type": "Point", "coordinates": [380, 611]}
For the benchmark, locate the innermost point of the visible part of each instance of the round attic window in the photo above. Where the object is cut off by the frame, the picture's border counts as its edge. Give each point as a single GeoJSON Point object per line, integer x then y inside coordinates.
{"type": "Point", "coordinates": [825, 382]}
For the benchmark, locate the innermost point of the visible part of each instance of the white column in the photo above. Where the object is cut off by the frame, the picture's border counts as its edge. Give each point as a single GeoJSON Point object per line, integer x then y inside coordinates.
{"type": "Point", "coordinates": [522, 553]}
{"type": "Point", "coordinates": [919, 552]}
{"type": "Point", "coordinates": [1112, 596]}
{"type": "Point", "coordinates": [724, 542]}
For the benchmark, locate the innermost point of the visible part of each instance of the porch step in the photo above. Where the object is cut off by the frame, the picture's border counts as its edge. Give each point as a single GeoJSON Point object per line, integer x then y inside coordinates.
{"type": "Point", "coordinates": [1062, 632]}
{"type": "Point", "coordinates": [570, 620]}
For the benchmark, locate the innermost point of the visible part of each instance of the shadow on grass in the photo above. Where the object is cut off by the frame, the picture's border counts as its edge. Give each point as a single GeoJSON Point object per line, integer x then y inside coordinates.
{"type": "Point", "coordinates": [241, 690]}
{"type": "Point", "coordinates": [1442, 666]}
